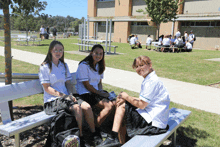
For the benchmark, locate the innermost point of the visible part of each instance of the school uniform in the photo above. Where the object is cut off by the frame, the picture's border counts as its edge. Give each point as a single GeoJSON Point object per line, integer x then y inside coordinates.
{"type": "Point", "coordinates": [191, 38]}
{"type": "Point", "coordinates": [188, 47]}
{"type": "Point", "coordinates": [42, 32]}
{"type": "Point", "coordinates": [56, 78]}
{"type": "Point", "coordinates": [148, 41]}
{"type": "Point", "coordinates": [86, 73]}
{"type": "Point", "coordinates": [166, 42]}
{"type": "Point", "coordinates": [153, 119]}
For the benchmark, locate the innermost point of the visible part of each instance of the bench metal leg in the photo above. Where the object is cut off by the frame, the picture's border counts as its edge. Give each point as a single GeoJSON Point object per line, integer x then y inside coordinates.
{"type": "Point", "coordinates": [174, 138]}
{"type": "Point", "coordinates": [17, 140]}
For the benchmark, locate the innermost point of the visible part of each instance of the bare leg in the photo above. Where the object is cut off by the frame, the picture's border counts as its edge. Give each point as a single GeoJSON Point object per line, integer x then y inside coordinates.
{"type": "Point", "coordinates": [119, 123]}
{"type": "Point", "coordinates": [122, 133]}
{"type": "Point", "coordinates": [107, 107]}
{"type": "Point", "coordinates": [77, 111]}
{"type": "Point", "coordinates": [119, 115]}
{"type": "Point", "coordinates": [87, 111]}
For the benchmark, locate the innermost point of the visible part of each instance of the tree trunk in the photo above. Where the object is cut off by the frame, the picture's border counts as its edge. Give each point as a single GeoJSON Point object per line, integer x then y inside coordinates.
{"type": "Point", "coordinates": [26, 30]}
{"type": "Point", "coordinates": [158, 31]}
{"type": "Point", "coordinates": [8, 58]}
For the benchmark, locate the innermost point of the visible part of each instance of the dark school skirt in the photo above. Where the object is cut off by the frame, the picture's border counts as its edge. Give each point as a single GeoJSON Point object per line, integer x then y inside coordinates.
{"type": "Point", "coordinates": [52, 107]}
{"type": "Point", "coordinates": [137, 125]}
{"type": "Point", "coordinates": [91, 98]}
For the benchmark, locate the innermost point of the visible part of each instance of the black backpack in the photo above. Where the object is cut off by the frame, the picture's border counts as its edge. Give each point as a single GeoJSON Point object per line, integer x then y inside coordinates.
{"type": "Point", "coordinates": [194, 38]}
{"type": "Point", "coordinates": [62, 125]}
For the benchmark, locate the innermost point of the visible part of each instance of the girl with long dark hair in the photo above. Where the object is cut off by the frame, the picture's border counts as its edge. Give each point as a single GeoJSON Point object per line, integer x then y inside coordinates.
{"type": "Point", "coordinates": [55, 78]}
{"type": "Point", "coordinates": [89, 77]}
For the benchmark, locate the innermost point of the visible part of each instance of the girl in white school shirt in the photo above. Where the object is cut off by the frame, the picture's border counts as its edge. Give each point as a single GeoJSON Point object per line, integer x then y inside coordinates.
{"type": "Point", "coordinates": [58, 91]}
{"type": "Point", "coordinates": [89, 77]}
{"type": "Point", "coordinates": [147, 114]}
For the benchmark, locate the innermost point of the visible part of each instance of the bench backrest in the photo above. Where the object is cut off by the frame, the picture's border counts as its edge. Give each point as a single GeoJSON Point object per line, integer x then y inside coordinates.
{"type": "Point", "coordinates": [20, 90]}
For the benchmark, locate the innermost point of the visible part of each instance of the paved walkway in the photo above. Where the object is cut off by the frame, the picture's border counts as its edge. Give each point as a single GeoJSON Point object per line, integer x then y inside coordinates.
{"type": "Point", "coordinates": [201, 97]}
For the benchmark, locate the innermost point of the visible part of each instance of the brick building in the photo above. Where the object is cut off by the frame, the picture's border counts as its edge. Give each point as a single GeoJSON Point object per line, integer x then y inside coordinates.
{"type": "Point", "coordinates": [201, 16]}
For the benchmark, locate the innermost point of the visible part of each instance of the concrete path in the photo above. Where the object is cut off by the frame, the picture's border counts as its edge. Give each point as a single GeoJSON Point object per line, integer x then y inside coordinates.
{"type": "Point", "coordinates": [201, 97]}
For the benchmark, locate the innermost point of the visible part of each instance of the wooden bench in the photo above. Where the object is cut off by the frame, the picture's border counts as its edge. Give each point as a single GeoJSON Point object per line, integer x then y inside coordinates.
{"type": "Point", "coordinates": [16, 91]}
{"type": "Point", "coordinates": [176, 118]}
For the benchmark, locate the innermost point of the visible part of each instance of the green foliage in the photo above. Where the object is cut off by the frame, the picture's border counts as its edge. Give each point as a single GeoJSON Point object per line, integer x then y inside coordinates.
{"type": "Point", "coordinates": [161, 10]}
{"type": "Point", "coordinates": [27, 9]}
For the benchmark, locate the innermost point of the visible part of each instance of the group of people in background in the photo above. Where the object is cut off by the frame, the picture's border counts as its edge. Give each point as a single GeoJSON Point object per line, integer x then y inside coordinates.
{"type": "Point", "coordinates": [146, 114]}
{"type": "Point", "coordinates": [167, 42]}
{"type": "Point", "coordinates": [184, 42]}
{"type": "Point", "coordinates": [44, 33]}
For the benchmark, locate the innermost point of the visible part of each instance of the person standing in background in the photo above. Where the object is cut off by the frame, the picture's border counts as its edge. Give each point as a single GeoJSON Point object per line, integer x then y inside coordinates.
{"type": "Point", "coordinates": [186, 36]}
{"type": "Point", "coordinates": [148, 41]}
{"type": "Point", "coordinates": [42, 32]}
{"type": "Point", "coordinates": [178, 33]}
{"type": "Point", "coordinates": [54, 32]}
{"type": "Point", "coordinates": [191, 37]}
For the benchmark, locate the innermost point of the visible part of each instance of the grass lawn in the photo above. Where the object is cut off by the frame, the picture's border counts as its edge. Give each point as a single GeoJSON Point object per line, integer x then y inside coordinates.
{"type": "Point", "coordinates": [187, 67]}
{"type": "Point", "coordinates": [201, 129]}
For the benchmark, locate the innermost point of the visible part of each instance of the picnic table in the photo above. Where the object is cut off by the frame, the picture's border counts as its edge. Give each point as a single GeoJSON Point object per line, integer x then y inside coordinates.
{"type": "Point", "coordinates": [172, 47]}
{"type": "Point", "coordinates": [90, 42]}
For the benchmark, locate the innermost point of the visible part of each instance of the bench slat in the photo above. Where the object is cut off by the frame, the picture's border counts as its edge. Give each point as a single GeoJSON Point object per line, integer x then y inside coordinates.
{"type": "Point", "coordinates": [25, 123]}
{"type": "Point", "coordinates": [176, 118]}
{"type": "Point", "coordinates": [19, 90]}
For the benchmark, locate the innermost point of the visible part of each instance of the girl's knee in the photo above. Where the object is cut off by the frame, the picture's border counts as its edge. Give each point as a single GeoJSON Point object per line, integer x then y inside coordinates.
{"type": "Point", "coordinates": [86, 106]}
{"type": "Point", "coordinates": [76, 107]}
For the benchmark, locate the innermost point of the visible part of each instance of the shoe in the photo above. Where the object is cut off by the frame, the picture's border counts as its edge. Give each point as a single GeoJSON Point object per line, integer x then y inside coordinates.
{"type": "Point", "coordinates": [110, 142]}
{"type": "Point", "coordinates": [97, 139]}
{"type": "Point", "coordinates": [83, 143]}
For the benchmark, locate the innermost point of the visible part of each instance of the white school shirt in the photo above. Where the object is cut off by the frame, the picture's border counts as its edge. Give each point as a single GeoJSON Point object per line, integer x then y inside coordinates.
{"type": "Point", "coordinates": [132, 40]}
{"type": "Point", "coordinates": [42, 31]}
{"type": "Point", "coordinates": [188, 45]}
{"type": "Point", "coordinates": [186, 36]}
{"type": "Point", "coordinates": [160, 41]}
{"type": "Point", "coordinates": [178, 34]}
{"type": "Point", "coordinates": [148, 41]}
{"type": "Point", "coordinates": [155, 94]}
{"type": "Point", "coordinates": [191, 37]}
{"type": "Point", "coordinates": [85, 73]}
{"type": "Point", "coordinates": [57, 78]}
{"type": "Point", "coordinates": [166, 41]}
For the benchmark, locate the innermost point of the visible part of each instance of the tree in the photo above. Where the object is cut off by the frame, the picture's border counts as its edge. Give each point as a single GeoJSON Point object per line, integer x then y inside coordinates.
{"type": "Point", "coordinates": [27, 9]}
{"type": "Point", "coordinates": [161, 11]}
{"type": "Point", "coordinates": [5, 4]}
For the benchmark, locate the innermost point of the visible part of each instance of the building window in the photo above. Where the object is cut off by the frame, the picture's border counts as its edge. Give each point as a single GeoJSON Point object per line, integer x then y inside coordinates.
{"type": "Point", "coordinates": [200, 23]}
{"type": "Point", "coordinates": [103, 23]}
{"type": "Point", "coordinates": [133, 23]}
{"type": "Point", "coordinates": [104, 0]}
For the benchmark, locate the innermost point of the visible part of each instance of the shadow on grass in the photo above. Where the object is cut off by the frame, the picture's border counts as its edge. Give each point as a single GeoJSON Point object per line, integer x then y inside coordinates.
{"type": "Point", "coordinates": [186, 136]}
{"type": "Point", "coordinates": [43, 45]}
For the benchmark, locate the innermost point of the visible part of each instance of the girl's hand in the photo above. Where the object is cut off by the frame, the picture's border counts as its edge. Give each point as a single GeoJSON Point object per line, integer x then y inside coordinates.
{"type": "Point", "coordinates": [123, 95]}
{"type": "Point", "coordinates": [71, 98]}
{"type": "Point", "coordinates": [119, 101]}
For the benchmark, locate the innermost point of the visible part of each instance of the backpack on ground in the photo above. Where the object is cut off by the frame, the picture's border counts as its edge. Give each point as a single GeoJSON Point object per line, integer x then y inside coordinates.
{"type": "Point", "coordinates": [63, 128]}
